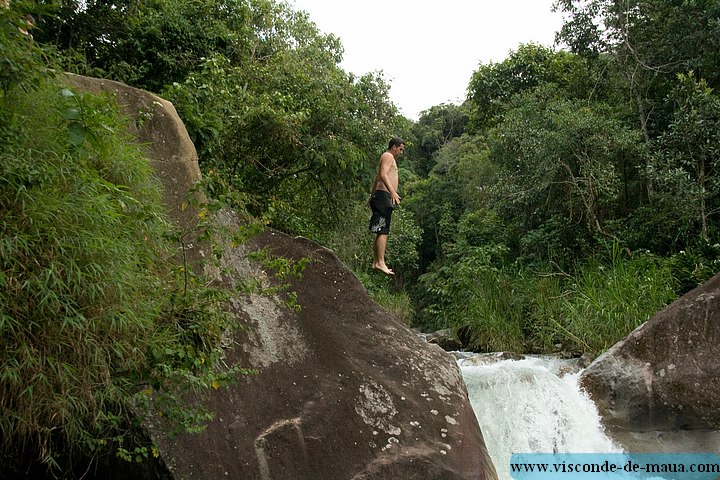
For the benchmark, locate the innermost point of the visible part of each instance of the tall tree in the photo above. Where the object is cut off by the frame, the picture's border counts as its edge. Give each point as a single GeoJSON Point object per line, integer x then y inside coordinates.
{"type": "Point", "coordinates": [493, 85]}
{"type": "Point", "coordinates": [651, 41]}
{"type": "Point", "coordinates": [686, 162]}
{"type": "Point", "coordinates": [563, 161]}
{"type": "Point", "coordinates": [436, 127]}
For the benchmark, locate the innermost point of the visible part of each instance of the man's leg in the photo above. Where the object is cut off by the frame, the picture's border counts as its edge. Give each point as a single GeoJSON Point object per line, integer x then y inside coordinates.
{"type": "Point", "coordinates": [379, 254]}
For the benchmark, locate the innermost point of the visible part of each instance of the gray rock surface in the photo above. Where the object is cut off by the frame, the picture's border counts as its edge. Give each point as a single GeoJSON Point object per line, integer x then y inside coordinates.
{"type": "Point", "coordinates": [445, 339]}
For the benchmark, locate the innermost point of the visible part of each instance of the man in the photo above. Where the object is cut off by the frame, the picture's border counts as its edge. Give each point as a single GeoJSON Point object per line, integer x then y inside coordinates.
{"type": "Point", "coordinates": [28, 23]}
{"type": "Point", "coordinates": [383, 200]}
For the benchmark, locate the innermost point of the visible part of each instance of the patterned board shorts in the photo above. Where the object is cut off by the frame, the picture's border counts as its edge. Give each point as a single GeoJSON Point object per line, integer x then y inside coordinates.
{"type": "Point", "coordinates": [382, 207]}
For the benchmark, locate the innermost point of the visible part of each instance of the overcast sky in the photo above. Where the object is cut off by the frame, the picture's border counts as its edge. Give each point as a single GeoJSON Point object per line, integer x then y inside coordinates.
{"type": "Point", "coordinates": [428, 49]}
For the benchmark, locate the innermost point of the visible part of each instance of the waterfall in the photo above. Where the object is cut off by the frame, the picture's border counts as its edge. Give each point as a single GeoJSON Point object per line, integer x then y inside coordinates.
{"type": "Point", "coordinates": [531, 405]}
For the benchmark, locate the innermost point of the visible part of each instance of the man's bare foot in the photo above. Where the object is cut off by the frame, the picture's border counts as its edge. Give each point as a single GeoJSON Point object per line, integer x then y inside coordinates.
{"type": "Point", "coordinates": [383, 268]}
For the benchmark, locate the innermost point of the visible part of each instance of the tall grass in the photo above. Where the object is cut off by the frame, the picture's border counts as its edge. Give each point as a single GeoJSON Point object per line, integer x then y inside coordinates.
{"type": "Point", "coordinates": [93, 317]}
{"type": "Point", "coordinates": [542, 311]}
{"type": "Point", "coordinates": [494, 313]}
{"type": "Point", "coordinates": [609, 298]}
{"type": "Point", "coordinates": [473, 295]}
{"type": "Point", "coordinates": [81, 228]}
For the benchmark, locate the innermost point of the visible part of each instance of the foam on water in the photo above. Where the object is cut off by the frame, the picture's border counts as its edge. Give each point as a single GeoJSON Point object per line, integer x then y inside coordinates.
{"type": "Point", "coordinates": [533, 405]}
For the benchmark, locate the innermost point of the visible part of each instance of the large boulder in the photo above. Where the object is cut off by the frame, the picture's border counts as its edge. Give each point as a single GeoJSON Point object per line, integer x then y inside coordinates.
{"type": "Point", "coordinates": [161, 134]}
{"type": "Point", "coordinates": [344, 390]}
{"type": "Point", "coordinates": [659, 389]}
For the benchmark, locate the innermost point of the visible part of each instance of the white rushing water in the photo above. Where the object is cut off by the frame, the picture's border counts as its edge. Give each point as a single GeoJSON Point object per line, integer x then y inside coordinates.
{"type": "Point", "coordinates": [532, 405]}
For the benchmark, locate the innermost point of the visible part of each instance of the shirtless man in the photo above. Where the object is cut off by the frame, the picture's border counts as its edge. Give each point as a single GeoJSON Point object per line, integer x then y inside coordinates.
{"type": "Point", "coordinates": [383, 199]}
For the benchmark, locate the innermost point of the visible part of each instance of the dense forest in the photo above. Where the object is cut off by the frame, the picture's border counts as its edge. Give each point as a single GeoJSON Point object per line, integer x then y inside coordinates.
{"type": "Point", "coordinates": [570, 197]}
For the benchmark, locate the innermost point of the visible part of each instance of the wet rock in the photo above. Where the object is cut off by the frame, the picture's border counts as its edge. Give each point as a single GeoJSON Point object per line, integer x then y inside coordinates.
{"type": "Point", "coordinates": [479, 359]}
{"type": "Point", "coordinates": [445, 339]}
{"type": "Point", "coordinates": [585, 360]}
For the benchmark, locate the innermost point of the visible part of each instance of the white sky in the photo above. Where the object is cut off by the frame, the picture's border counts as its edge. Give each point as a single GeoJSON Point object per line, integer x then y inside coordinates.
{"type": "Point", "coordinates": [428, 49]}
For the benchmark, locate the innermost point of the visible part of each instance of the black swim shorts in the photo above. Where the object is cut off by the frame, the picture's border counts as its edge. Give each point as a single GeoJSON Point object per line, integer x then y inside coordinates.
{"type": "Point", "coordinates": [382, 208]}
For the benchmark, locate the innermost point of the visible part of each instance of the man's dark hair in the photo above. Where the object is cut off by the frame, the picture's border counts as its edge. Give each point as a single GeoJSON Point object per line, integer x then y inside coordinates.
{"type": "Point", "coordinates": [396, 142]}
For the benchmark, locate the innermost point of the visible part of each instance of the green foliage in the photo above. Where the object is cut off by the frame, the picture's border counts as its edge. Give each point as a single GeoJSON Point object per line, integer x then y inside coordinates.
{"type": "Point", "coordinates": [402, 244]}
{"type": "Point", "coordinates": [564, 162]}
{"type": "Point", "coordinates": [150, 44]}
{"type": "Point", "coordinates": [282, 147]}
{"type": "Point", "coordinates": [93, 319]}
{"type": "Point", "coordinates": [606, 301]}
{"type": "Point", "coordinates": [437, 201]}
{"type": "Point", "coordinates": [75, 287]}
{"type": "Point", "coordinates": [259, 89]}
{"type": "Point", "coordinates": [502, 307]}
{"type": "Point", "coordinates": [437, 126]}
{"type": "Point", "coordinates": [695, 265]}
{"type": "Point", "coordinates": [647, 43]}
{"type": "Point", "coordinates": [471, 292]}
{"type": "Point", "coordinates": [665, 37]}
{"type": "Point", "coordinates": [685, 164]}
{"type": "Point", "coordinates": [493, 86]}
{"type": "Point", "coordinates": [20, 57]}
{"type": "Point", "coordinates": [277, 147]}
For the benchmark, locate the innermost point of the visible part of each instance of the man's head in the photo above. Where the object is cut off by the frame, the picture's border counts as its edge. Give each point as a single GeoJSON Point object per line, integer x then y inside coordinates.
{"type": "Point", "coordinates": [396, 146]}
{"type": "Point", "coordinates": [28, 22]}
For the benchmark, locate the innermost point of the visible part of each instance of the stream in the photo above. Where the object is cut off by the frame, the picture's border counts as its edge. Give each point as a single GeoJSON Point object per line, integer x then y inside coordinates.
{"type": "Point", "coordinates": [531, 405]}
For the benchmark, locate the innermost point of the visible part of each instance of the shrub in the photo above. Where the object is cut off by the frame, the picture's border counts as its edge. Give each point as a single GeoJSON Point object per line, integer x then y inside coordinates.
{"type": "Point", "coordinates": [94, 320]}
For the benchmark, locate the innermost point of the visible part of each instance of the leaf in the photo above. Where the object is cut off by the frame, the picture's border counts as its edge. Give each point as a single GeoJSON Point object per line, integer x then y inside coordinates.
{"type": "Point", "coordinates": [71, 113]}
{"type": "Point", "coordinates": [76, 131]}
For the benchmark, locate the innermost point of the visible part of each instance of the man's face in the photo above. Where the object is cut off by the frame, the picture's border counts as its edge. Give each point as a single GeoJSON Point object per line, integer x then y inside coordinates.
{"type": "Point", "coordinates": [397, 151]}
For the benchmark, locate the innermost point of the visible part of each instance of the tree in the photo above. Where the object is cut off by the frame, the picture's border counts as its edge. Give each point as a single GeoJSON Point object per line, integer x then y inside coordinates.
{"type": "Point", "coordinates": [259, 89]}
{"type": "Point", "coordinates": [650, 41]}
{"type": "Point", "coordinates": [493, 85]}
{"type": "Point", "coordinates": [436, 127]}
{"type": "Point", "coordinates": [297, 128]}
{"type": "Point", "coordinates": [563, 159]}
{"type": "Point", "coordinates": [152, 44]}
{"type": "Point", "coordinates": [685, 164]}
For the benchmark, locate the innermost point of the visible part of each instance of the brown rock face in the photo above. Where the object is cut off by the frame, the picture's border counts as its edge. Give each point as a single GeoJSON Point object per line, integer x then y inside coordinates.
{"type": "Point", "coordinates": [663, 380]}
{"type": "Point", "coordinates": [345, 391]}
